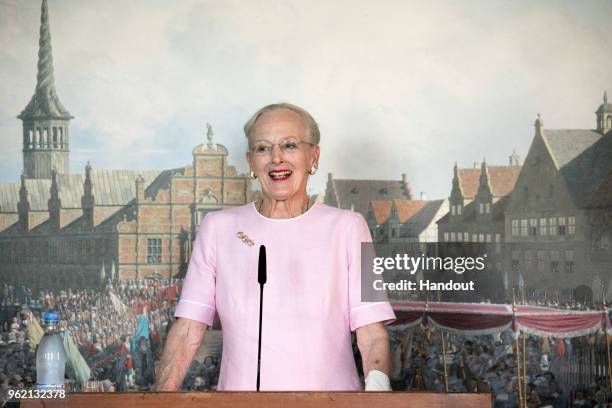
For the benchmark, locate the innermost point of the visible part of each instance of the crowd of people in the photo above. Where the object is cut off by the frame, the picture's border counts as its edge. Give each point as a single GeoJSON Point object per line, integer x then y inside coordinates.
{"type": "Point", "coordinates": [489, 364]}
{"type": "Point", "coordinates": [120, 331]}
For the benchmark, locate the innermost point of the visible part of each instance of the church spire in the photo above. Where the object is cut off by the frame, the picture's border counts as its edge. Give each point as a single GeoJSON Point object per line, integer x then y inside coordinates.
{"type": "Point", "coordinates": [45, 104]}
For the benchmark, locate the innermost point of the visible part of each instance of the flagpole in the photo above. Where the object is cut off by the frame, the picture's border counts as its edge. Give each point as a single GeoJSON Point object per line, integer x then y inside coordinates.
{"type": "Point", "coordinates": [443, 355]}
{"type": "Point", "coordinates": [518, 355]}
{"type": "Point", "coordinates": [524, 357]}
{"type": "Point", "coordinates": [607, 340]}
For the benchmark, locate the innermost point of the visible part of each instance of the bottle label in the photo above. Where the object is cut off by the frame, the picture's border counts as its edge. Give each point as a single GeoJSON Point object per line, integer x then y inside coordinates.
{"type": "Point", "coordinates": [50, 386]}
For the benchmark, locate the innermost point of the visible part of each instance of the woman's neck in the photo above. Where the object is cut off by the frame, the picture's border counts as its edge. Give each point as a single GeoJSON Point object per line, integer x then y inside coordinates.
{"type": "Point", "coordinates": [281, 209]}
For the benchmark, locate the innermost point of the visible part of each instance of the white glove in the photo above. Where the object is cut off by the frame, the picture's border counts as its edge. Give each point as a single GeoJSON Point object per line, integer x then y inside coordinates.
{"type": "Point", "coordinates": [377, 381]}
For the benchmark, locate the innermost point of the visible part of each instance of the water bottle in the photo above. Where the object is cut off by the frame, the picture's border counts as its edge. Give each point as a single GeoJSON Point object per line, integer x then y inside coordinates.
{"type": "Point", "coordinates": [50, 356]}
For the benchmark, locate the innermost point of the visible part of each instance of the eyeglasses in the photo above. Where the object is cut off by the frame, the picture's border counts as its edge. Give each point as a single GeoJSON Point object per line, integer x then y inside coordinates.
{"type": "Point", "coordinates": [264, 148]}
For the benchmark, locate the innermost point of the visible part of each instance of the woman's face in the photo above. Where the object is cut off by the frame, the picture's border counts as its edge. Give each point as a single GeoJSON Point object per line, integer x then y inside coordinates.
{"type": "Point", "coordinates": [282, 173]}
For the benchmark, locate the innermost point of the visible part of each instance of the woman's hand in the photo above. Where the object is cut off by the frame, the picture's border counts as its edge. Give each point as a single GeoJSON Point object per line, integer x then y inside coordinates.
{"type": "Point", "coordinates": [182, 343]}
{"type": "Point", "coordinates": [373, 343]}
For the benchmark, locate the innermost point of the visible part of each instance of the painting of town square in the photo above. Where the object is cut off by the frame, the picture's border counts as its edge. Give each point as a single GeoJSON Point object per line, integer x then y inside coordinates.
{"type": "Point", "coordinates": [444, 125]}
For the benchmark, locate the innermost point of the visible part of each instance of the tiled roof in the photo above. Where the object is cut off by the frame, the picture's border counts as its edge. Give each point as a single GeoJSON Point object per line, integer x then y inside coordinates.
{"type": "Point", "coordinates": [110, 187]}
{"type": "Point", "coordinates": [406, 209]}
{"type": "Point", "coordinates": [423, 217]}
{"type": "Point", "coordinates": [602, 196]}
{"type": "Point", "coordinates": [584, 158]}
{"type": "Point", "coordinates": [382, 210]}
{"type": "Point", "coordinates": [357, 194]}
{"type": "Point", "coordinates": [501, 179]}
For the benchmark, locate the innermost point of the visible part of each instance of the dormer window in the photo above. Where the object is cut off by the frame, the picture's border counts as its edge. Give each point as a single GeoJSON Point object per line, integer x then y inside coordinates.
{"type": "Point", "coordinates": [384, 191]}
{"type": "Point", "coordinates": [354, 190]}
{"type": "Point", "coordinates": [481, 208]}
{"type": "Point", "coordinates": [487, 208]}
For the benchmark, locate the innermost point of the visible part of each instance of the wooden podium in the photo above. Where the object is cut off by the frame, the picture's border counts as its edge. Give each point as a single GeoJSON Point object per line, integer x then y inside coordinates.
{"type": "Point", "coordinates": [229, 399]}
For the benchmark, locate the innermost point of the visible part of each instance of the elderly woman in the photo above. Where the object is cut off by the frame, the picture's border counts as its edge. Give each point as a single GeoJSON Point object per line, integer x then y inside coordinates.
{"type": "Point", "coordinates": [313, 296]}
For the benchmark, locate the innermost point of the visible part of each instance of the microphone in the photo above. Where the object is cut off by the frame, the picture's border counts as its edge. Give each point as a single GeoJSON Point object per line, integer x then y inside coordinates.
{"type": "Point", "coordinates": [262, 270]}
{"type": "Point", "coordinates": [261, 278]}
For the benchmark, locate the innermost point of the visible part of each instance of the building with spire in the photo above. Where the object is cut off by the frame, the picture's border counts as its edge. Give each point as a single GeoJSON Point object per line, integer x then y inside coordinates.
{"type": "Point", "coordinates": [46, 137]}
{"type": "Point", "coordinates": [59, 229]}
{"type": "Point", "coordinates": [478, 201]}
{"type": "Point", "coordinates": [559, 218]}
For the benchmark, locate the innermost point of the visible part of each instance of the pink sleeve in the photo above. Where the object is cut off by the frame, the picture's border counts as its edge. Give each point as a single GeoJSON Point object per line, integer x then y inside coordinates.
{"type": "Point", "coordinates": [362, 313]}
{"type": "Point", "coordinates": [197, 301]}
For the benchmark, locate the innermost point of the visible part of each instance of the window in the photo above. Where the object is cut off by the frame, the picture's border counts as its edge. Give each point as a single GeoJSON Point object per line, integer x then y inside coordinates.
{"type": "Point", "coordinates": [562, 227]}
{"type": "Point", "coordinates": [533, 226]}
{"type": "Point", "coordinates": [524, 230]}
{"type": "Point", "coordinates": [543, 227]}
{"type": "Point", "coordinates": [481, 237]}
{"type": "Point", "coordinates": [552, 226]}
{"type": "Point", "coordinates": [474, 238]}
{"type": "Point", "coordinates": [554, 261]}
{"type": "Point", "coordinates": [515, 228]}
{"type": "Point", "coordinates": [466, 237]}
{"type": "Point", "coordinates": [571, 225]}
{"type": "Point", "coordinates": [154, 250]}
{"type": "Point", "coordinates": [459, 209]}
{"type": "Point", "coordinates": [569, 261]}
{"type": "Point", "coordinates": [446, 237]}
{"type": "Point", "coordinates": [453, 210]}
{"type": "Point", "coordinates": [498, 243]}
{"type": "Point", "coordinates": [487, 208]}
{"type": "Point", "coordinates": [481, 208]}
{"type": "Point", "coordinates": [541, 260]}
{"type": "Point", "coordinates": [489, 238]}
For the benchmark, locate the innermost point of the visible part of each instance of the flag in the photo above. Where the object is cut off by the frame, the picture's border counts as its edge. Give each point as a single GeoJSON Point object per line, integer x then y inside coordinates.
{"type": "Point", "coordinates": [119, 306]}
{"type": "Point", "coordinates": [102, 274]}
{"type": "Point", "coordinates": [35, 332]}
{"type": "Point", "coordinates": [141, 331]}
{"type": "Point", "coordinates": [76, 366]}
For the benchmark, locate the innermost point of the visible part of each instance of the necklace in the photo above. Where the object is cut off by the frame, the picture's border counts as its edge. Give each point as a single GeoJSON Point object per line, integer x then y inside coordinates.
{"type": "Point", "coordinates": [308, 204]}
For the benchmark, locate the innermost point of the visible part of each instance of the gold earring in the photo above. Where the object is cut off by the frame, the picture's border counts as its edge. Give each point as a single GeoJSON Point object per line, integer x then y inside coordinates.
{"type": "Point", "coordinates": [313, 170]}
{"type": "Point", "coordinates": [252, 174]}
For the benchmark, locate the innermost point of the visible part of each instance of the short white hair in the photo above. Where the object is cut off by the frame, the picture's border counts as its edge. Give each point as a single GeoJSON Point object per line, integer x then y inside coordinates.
{"type": "Point", "coordinates": [311, 124]}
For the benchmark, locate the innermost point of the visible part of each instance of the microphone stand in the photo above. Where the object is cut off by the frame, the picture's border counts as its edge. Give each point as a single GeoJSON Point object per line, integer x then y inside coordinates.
{"type": "Point", "coordinates": [261, 278]}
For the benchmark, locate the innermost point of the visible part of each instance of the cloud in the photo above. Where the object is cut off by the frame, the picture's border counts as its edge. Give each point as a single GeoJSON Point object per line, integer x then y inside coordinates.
{"type": "Point", "coordinates": [397, 87]}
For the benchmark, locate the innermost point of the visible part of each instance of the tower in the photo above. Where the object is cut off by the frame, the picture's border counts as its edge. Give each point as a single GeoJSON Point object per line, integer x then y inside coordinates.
{"type": "Point", "coordinates": [604, 115]}
{"type": "Point", "coordinates": [45, 120]}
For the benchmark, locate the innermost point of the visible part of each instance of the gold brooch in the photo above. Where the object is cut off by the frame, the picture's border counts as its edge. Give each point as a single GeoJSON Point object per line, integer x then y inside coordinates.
{"type": "Point", "coordinates": [245, 238]}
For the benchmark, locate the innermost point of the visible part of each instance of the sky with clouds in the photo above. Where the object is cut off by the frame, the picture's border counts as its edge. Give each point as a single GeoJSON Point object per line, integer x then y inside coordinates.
{"type": "Point", "coordinates": [396, 86]}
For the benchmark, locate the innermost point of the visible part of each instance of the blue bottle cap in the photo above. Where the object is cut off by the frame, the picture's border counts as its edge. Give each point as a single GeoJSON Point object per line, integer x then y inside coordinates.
{"type": "Point", "coordinates": [51, 317]}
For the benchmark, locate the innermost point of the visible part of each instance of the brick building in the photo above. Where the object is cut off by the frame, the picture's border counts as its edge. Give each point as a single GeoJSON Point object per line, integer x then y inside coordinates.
{"type": "Point", "coordinates": [356, 195]}
{"type": "Point", "coordinates": [405, 221]}
{"type": "Point", "coordinates": [478, 201]}
{"type": "Point", "coordinates": [559, 218]}
{"type": "Point", "coordinates": [59, 229]}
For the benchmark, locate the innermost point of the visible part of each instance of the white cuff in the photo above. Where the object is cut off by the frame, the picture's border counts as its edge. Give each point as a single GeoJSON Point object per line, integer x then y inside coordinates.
{"type": "Point", "coordinates": [377, 381]}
